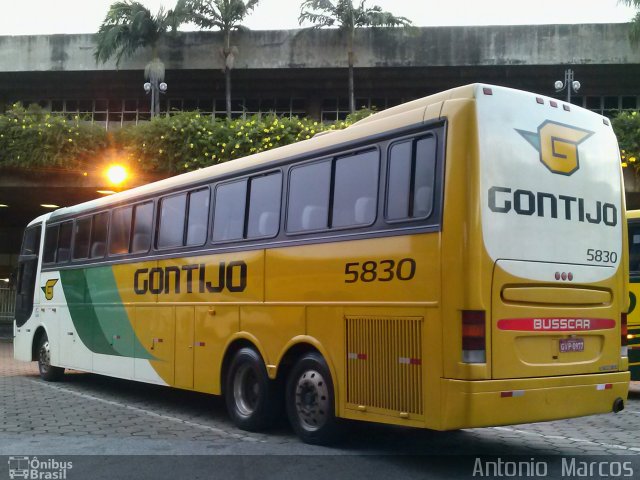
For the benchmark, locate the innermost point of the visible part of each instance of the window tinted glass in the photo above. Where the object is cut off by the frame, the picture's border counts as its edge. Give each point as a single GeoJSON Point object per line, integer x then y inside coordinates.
{"type": "Point", "coordinates": [410, 190]}
{"type": "Point", "coordinates": [308, 207]}
{"type": "Point", "coordinates": [264, 206]}
{"type": "Point", "coordinates": [172, 213]}
{"type": "Point", "coordinates": [50, 243]}
{"type": "Point", "coordinates": [31, 241]}
{"type": "Point", "coordinates": [120, 230]}
{"type": "Point", "coordinates": [228, 219]}
{"type": "Point", "coordinates": [198, 216]}
{"type": "Point", "coordinates": [634, 247]}
{"type": "Point", "coordinates": [399, 181]}
{"type": "Point", "coordinates": [355, 190]}
{"type": "Point", "coordinates": [142, 220]}
{"type": "Point", "coordinates": [82, 236]}
{"type": "Point", "coordinates": [64, 242]}
{"type": "Point", "coordinates": [424, 177]}
{"type": "Point", "coordinates": [99, 235]}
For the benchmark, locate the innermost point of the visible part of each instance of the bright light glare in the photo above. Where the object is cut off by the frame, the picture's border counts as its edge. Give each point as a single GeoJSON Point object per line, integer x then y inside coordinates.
{"type": "Point", "coordinates": [116, 174]}
{"type": "Point", "coordinates": [49, 205]}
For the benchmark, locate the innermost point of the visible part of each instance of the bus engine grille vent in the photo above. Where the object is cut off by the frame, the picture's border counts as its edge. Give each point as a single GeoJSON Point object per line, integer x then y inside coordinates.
{"type": "Point", "coordinates": [384, 364]}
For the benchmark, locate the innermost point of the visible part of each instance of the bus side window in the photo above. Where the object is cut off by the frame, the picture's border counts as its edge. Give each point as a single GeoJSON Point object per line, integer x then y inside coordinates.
{"type": "Point", "coordinates": [50, 244]}
{"type": "Point", "coordinates": [64, 242]}
{"type": "Point", "coordinates": [229, 211]}
{"type": "Point", "coordinates": [355, 189]}
{"type": "Point", "coordinates": [99, 235]}
{"type": "Point", "coordinates": [411, 182]}
{"type": "Point", "coordinates": [264, 206]}
{"type": "Point", "coordinates": [198, 217]}
{"type": "Point", "coordinates": [142, 225]}
{"type": "Point", "coordinates": [634, 248]}
{"type": "Point", "coordinates": [120, 231]}
{"type": "Point", "coordinates": [172, 217]}
{"type": "Point", "coordinates": [308, 206]}
{"type": "Point", "coordinates": [81, 238]}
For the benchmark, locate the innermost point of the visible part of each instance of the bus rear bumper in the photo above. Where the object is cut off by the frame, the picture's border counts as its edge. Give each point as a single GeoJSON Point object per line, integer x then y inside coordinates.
{"type": "Point", "coordinates": [482, 403]}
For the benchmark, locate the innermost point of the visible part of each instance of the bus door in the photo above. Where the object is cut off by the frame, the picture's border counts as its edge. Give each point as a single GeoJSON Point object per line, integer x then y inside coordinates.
{"type": "Point", "coordinates": [27, 274]}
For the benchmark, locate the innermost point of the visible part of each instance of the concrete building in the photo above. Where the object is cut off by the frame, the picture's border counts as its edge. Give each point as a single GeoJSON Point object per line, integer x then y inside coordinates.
{"type": "Point", "coordinates": [296, 72]}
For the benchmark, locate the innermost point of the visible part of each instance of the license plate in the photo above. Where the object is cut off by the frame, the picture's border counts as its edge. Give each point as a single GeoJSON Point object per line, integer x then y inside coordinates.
{"type": "Point", "coordinates": [571, 345]}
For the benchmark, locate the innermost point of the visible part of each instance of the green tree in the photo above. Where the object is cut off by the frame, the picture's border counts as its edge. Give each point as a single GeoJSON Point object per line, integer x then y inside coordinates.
{"type": "Point", "coordinates": [129, 26]}
{"type": "Point", "coordinates": [634, 34]}
{"type": "Point", "coordinates": [226, 16]}
{"type": "Point", "coordinates": [344, 15]}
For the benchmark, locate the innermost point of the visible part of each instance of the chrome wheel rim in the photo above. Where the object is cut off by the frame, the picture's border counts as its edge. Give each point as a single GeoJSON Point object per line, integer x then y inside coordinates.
{"type": "Point", "coordinates": [246, 390]}
{"type": "Point", "coordinates": [312, 400]}
{"type": "Point", "coordinates": [44, 359]}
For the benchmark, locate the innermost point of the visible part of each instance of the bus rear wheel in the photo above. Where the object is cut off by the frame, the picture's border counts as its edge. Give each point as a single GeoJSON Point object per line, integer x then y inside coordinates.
{"type": "Point", "coordinates": [47, 371]}
{"type": "Point", "coordinates": [310, 401]}
{"type": "Point", "coordinates": [251, 397]}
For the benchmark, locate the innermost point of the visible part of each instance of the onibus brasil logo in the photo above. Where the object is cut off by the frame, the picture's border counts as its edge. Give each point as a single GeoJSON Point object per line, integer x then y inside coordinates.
{"type": "Point", "coordinates": [557, 144]}
{"type": "Point", "coordinates": [33, 468]}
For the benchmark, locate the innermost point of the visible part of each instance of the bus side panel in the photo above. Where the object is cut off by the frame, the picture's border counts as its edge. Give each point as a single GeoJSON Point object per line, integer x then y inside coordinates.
{"type": "Point", "coordinates": [633, 329]}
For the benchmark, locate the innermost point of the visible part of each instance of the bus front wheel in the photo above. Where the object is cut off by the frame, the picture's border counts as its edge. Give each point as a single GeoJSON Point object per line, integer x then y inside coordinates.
{"type": "Point", "coordinates": [250, 395]}
{"type": "Point", "coordinates": [47, 371]}
{"type": "Point", "coordinates": [310, 401]}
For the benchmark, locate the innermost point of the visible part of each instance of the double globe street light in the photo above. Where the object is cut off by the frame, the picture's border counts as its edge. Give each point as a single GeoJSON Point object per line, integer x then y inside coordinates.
{"type": "Point", "coordinates": [569, 83]}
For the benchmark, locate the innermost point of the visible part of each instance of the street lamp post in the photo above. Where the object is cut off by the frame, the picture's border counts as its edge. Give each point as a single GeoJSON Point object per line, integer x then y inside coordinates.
{"type": "Point", "coordinates": [155, 88]}
{"type": "Point", "coordinates": [569, 83]}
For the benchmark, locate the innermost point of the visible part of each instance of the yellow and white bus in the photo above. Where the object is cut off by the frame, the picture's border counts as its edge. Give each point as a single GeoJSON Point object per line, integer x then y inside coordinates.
{"type": "Point", "coordinates": [456, 261]}
{"type": "Point", "coordinates": [633, 334]}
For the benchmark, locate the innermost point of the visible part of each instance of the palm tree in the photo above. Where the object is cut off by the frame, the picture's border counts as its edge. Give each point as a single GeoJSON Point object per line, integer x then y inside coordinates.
{"type": "Point", "coordinates": [224, 15]}
{"type": "Point", "coordinates": [634, 33]}
{"type": "Point", "coordinates": [347, 17]}
{"type": "Point", "coordinates": [128, 26]}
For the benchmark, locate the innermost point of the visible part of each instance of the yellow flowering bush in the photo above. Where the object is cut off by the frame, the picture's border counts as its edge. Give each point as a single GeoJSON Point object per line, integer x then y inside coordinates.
{"type": "Point", "coordinates": [627, 128]}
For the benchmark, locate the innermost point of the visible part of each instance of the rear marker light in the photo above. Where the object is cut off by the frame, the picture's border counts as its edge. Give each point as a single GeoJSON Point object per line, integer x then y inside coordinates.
{"type": "Point", "coordinates": [357, 356]}
{"type": "Point", "coordinates": [473, 336]}
{"type": "Point", "coordinates": [540, 100]}
{"type": "Point", "coordinates": [564, 276]}
{"type": "Point", "coordinates": [512, 393]}
{"type": "Point", "coordinates": [553, 104]}
{"type": "Point", "coordinates": [487, 91]}
{"type": "Point", "coordinates": [567, 108]}
{"type": "Point", "coordinates": [624, 335]}
{"type": "Point", "coordinates": [605, 121]}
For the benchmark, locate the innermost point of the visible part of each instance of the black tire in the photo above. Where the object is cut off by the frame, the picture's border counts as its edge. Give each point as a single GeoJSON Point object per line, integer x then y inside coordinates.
{"type": "Point", "coordinates": [250, 395]}
{"type": "Point", "coordinates": [47, 371]}
{"type": "Point", "coordinates": [311, 402]}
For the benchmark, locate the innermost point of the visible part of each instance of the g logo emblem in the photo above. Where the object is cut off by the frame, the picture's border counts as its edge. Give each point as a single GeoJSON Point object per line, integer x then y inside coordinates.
{"type": "Point", "coordinates": [557, 144]}
{"type": "Point", "coordinates": [48, 288]}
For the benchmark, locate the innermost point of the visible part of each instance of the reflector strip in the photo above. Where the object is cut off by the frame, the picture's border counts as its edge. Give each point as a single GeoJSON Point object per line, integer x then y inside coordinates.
{"type": "Point", "coordinates": [512, 393]}
{"type": "Point", "coordinates": [409, 361]}
{"type": "Point", "coordinates": [199, 344]}
{"type": "Point", "coordinates": [604, 386]}
{"type": "Point", "coordinates": [356, 356]}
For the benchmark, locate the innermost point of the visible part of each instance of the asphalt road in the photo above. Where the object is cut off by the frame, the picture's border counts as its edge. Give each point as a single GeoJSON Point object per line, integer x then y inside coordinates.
{"type": "Point", "coordinates": [110, 428]}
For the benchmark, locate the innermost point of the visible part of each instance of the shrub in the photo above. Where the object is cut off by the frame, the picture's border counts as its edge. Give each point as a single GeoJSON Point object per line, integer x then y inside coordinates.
{"type": "Point", "coordinates": [627, 128]}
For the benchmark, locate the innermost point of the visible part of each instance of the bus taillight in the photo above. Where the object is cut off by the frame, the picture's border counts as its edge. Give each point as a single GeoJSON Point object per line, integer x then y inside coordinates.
{"type": "Point", "coordinates": [623, 335]}
{"type": "Point", "coordinates": [474, 348]}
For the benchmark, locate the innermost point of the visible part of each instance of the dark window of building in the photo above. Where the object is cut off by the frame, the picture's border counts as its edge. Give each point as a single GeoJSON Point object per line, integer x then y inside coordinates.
{"type": "Point", "coordinates": [228, 218]}
{"type": "Point", "coordinates": [308, 207]}
{"type": "Point", "coordinates": [142, 227]}
{"type": "Point", "coordinates": [172, 216]}
{"type": "Point", "coordinates": [410, 190]}
{"type": "Point", "coordinates": [355, 189]}
{"type": "Point", "coordinates": [99, 235]}
{"type": "Point", "coordinates": [594, 103]}
{"type": "Point", "coordinates": [629, 103]}
{"type": "Point", "coordinates": [198, 217]}
{"type": "Point", "coordinates": [264, 205]}
{"type": "Point", "coordinates": [100, 106]}
{"type": "Point", "coordinates": [63, 252]}
{"type": "Point", "coordinates": [120, 232]}
{"type": "Point", "coordinates": [82, 237]}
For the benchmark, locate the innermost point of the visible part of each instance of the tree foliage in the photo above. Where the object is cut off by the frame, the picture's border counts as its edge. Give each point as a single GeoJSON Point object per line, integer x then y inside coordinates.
{"type": "Point", "coordinates": [634, 33]}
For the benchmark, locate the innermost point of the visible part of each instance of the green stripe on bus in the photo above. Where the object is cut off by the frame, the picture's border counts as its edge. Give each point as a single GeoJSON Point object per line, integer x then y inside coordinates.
{"type": "Point", "coordinates": [97, 312]}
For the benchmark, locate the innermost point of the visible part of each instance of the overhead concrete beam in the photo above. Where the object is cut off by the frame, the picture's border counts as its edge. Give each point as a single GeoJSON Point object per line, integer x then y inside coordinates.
{"type": "Point", "coordinates": [324, 48]}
